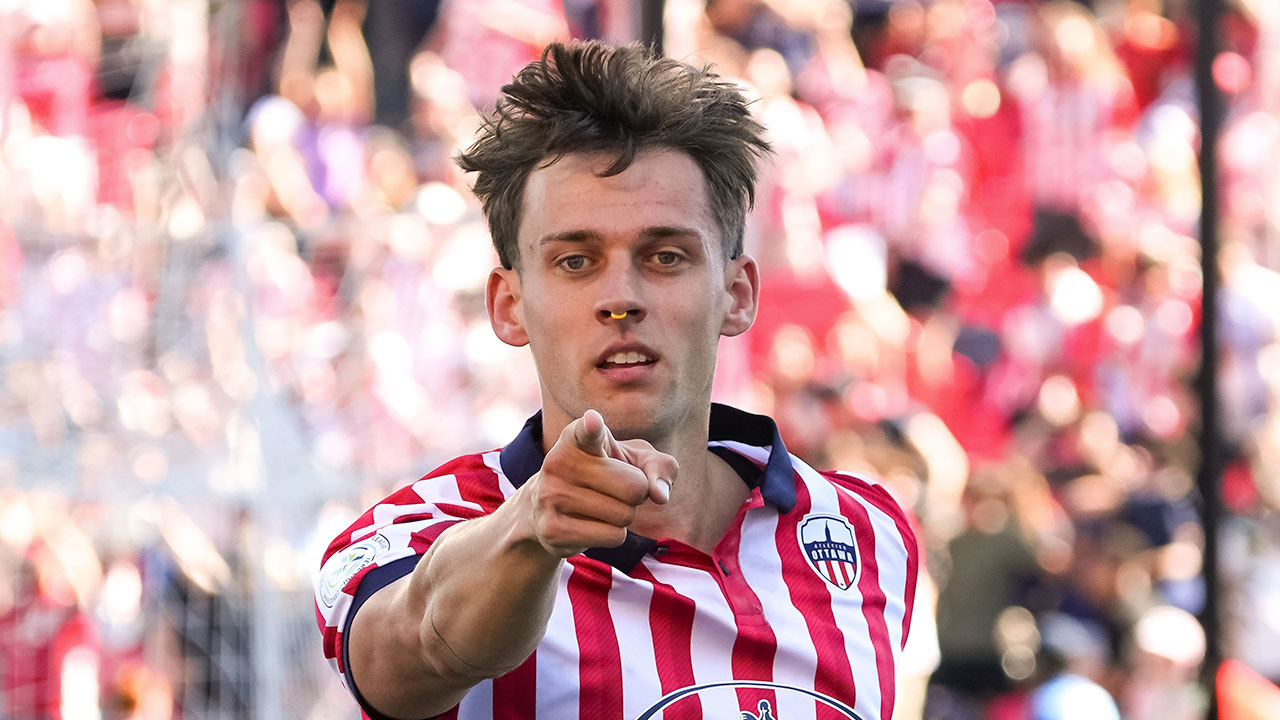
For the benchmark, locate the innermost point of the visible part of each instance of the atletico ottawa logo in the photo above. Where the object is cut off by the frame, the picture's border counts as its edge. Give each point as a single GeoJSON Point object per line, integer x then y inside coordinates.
{"type": "Point", "coordinates": [829, 547]}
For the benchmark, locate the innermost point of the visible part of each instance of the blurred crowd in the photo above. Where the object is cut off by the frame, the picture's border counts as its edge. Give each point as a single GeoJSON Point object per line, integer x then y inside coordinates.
{"type": "Point", "coordinates": [241, 296]}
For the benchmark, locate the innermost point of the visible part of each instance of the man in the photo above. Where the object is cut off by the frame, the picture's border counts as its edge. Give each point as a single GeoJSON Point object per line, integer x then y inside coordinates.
{"type": "Point", "coordinates": [635, 552]}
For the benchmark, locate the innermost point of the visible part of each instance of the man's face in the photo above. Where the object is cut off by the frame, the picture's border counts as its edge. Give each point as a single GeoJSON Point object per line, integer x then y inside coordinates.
{"type": "Point", "coordinates": [645, 243]}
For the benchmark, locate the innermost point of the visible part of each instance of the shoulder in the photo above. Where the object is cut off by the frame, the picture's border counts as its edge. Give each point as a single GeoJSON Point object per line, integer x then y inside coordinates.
{"type": "Point", "coordinates": [474, 480]}
{"type": "Point", "coordinates": [865, 491]}
{"type": "Point", "coordinates": [864, 502]}
{"type": "Point", "coordinates": [387, 540]}
{"type": "Point", "coordinates": [869, 491]}
{"type": "Point", "coordinates": [853, 532]}
{"type": "Point", "coordinates": [469, 480]}
{"type": "Point", "coordinates": [466, 487]}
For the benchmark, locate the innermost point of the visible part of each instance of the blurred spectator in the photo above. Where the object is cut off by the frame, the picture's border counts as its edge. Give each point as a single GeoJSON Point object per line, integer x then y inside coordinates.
{"type": "Point", "coordinates": [1152, 48]}
{"type": "Point", "coordinates": [1009, 536]}
{"type": "Point", "coordinates": [442, 119]}
{"type": "Point", "coordinates": [1076, 103]}
{"type": "Point", "coordinates": [48, 647]}
{"type": "Point", "coordinates": [394, 30]}
{"type": "Point", "coordinates": [488, 41]}
{"type": "Point", "coordinates": [783, 26]}
{"type": "Point", "coordinates": [1073, 658]}
{"type": "Point", "coordinates": [1167, 648]}
{"type": "Point", "coordinates": [55, 49]}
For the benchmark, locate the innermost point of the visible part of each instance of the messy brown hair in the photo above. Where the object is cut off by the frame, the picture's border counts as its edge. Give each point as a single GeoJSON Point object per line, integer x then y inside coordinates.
{"type": "Point", "coordinates": [589, 97]}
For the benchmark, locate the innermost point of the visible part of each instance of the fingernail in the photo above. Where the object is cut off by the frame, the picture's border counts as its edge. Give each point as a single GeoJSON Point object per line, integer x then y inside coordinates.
{"type": "Point", "coordinates": [664, 489]}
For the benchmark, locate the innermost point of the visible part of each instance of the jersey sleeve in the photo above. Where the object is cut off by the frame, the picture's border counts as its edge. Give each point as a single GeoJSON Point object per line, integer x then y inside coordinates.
{"type": "Point", "coordinates": [897, 525]}
{"type": "Point", "coordinates": [386, 542]}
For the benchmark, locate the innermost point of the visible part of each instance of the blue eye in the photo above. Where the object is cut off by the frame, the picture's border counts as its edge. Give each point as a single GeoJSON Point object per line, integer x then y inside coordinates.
{"type": "Point", "coordinates": [574, 262]}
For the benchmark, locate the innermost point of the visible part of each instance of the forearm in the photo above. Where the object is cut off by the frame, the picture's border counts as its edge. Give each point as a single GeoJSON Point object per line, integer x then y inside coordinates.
{"type": "Point", "coordinates": [475, 607]}
{"type": "Point", "coordinates": [478, 602]}
{"type": "Point", "coordinates": [493, 611]}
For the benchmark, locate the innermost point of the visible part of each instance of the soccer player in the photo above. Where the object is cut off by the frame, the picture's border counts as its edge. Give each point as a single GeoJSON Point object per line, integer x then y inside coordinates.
{"type": "Point", "coordinates": [636, 551]}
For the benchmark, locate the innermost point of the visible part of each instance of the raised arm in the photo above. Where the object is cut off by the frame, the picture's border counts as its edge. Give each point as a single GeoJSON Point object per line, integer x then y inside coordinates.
{"type": "Point", "coordinates": [478, 602]}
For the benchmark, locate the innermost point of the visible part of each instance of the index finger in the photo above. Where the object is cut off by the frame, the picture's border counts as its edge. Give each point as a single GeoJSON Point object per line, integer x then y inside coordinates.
{"type": "Point", "coordinates": [591, 436]}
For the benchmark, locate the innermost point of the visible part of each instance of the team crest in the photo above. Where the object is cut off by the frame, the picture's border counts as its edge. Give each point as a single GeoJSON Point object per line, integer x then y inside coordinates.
{"type": "Point", "coordinates": [829, 547]}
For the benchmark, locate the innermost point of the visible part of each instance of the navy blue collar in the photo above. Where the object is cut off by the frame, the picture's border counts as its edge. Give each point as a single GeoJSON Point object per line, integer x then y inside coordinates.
{"type": "Point", "coordinates": [523, 456]}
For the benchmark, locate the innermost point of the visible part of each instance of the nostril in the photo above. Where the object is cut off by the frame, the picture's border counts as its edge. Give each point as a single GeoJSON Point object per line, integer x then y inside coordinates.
{"type": "Point", "coordinates": [620, 315]}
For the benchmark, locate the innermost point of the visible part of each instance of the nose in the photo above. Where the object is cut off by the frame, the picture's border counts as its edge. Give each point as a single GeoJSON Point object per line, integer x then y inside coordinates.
{"type": "Point", "coordinates": [619, 298]}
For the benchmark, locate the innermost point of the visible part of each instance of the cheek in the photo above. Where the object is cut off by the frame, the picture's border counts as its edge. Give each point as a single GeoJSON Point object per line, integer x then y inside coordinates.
{"type": "Point", "coordinates": [714, 308]}
{"type": "Point", "coordinates": [551, 331]}
{"type": "Point", "coordinates": [543, 311]}
{"type": "Point", "coordinates": [703, 326]}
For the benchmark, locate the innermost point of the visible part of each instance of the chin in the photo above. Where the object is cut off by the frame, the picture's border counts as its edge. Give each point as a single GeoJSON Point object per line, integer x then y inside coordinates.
{"type": "Point", "coordinates": [635, 431]}
{"type": "Point", "coordinates": [628, 425]}
{"type": "Point", "coordinates": [644, 420]}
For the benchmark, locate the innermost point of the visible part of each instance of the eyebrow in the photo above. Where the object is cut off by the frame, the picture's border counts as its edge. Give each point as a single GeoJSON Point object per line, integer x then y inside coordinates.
{"type": "Point", "coordinates": [656, 232]}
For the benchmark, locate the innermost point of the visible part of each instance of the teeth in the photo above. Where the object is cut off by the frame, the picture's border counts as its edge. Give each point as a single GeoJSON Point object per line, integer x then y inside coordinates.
{"type": "Point", "coordinates": [626, 358]}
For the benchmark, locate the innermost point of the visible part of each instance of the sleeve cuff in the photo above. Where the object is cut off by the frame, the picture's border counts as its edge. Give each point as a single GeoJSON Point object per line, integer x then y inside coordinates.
{"type": "Point", "coordinates": [372, 582]}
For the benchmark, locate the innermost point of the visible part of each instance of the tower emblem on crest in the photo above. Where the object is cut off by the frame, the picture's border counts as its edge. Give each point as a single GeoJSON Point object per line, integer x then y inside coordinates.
{"type": "Point", "coordinates": [827, 541]}
{"type": "Point", "coordinates": [765, 710]}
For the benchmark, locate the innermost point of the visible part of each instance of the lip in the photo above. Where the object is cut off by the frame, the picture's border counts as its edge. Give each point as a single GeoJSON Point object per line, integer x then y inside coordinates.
{"type": "Point", "coordinates": [626, 347]}
{"type": "Point", "coordinates": [627, 373]}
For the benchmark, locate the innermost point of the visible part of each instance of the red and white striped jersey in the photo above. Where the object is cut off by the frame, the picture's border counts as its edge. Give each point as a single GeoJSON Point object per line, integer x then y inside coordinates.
{"type": "Point", "coordinates": [799, 613]}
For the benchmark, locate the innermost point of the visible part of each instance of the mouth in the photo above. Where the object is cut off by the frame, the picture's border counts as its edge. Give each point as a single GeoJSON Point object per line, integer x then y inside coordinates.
{"type": "Point", "coordinates": [628, 359]}
{"type": "Point", "coordinates": [622, 356]}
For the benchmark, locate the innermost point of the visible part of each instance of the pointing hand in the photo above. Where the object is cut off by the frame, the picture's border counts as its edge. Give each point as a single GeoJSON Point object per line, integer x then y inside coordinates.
{"type": "Point", "coordinates": [591, 485]}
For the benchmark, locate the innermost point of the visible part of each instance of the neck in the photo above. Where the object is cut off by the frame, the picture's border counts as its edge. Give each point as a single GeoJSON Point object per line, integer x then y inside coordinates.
{"type": "Point", "coordinates": [705, 499]}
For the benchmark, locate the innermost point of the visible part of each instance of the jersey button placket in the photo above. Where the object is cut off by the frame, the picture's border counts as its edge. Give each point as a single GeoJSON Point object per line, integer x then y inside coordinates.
{"type": "Point", "coordinates": [734, 587]}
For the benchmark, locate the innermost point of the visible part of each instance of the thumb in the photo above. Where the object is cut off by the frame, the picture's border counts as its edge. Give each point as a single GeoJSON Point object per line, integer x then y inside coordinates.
{"type": "Point", "coordinates": [660, 469]}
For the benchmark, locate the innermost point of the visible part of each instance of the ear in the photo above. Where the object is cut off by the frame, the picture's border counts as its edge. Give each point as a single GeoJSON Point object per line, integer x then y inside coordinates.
{"type": "Point", "coordinates": [742, 285]}
{"type": "Point", "coordinates": [506, 313]}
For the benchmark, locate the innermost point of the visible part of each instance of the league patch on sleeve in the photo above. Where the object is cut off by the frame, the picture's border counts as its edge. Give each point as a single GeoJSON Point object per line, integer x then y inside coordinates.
{"type": "Point", "coordinates": [344, 565]}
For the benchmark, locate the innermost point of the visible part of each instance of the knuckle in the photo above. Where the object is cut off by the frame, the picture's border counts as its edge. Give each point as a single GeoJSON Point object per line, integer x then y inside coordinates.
{"type": "Point", "coordinates": [626, 517]}
{"type": "Point", "coordinates": [637, 492]}
{"type": "Point", "coordinates": [551, 497]}
{"type": "Point", "coordinates": [558, 474]}
{"type": "Point", "coordinates": [555, 531]}
{"type": "Point", "coordinates": [641, 444]}
{"type": "Point", "coordinates": [614, 538]}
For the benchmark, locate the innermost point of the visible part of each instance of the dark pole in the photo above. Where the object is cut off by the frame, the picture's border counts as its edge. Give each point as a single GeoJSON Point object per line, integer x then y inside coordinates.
{"type": "Point", "coordinates": [1209, 480]}
{"type": "Point", "coordinates": [651, 24]}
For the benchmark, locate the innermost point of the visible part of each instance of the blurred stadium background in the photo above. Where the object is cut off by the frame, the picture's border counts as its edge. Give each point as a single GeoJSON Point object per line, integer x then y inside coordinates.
{"type": "Point", "coordinates": [241, 298]}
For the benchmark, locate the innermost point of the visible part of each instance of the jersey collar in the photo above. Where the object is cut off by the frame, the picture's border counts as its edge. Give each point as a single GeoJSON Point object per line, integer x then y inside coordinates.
{"type": "Point", "coordinates": [523, 456]}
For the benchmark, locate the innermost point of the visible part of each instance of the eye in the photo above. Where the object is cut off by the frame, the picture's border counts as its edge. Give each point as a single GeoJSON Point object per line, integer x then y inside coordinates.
{"type": "Point", "coordinates": [573, 262]}
{"type": "Point", "coordinates": [667, 258]}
